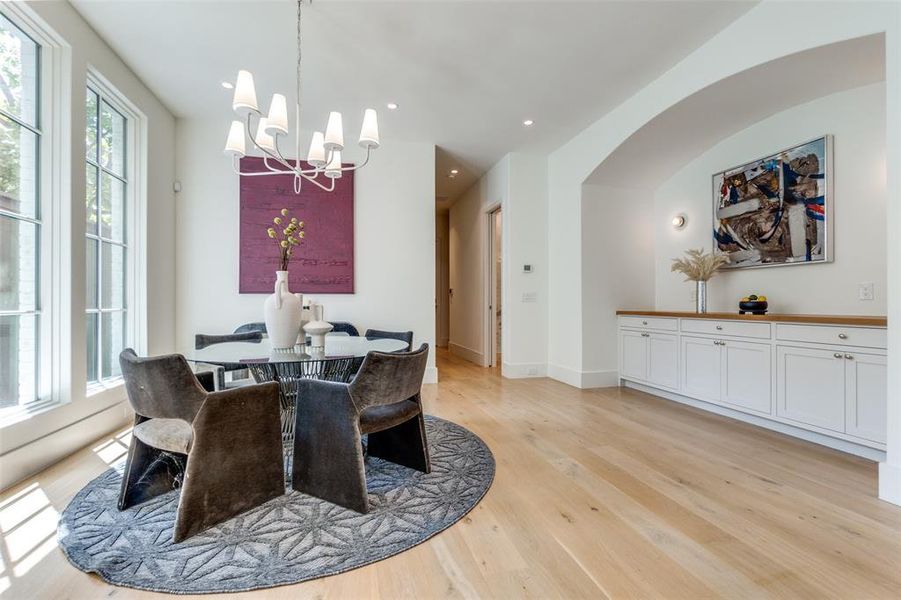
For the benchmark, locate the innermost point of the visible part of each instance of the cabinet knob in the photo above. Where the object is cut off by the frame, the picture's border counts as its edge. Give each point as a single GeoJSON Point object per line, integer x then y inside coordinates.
{"type": "Point", "coordinates": [849, 357]}
{"type": "Point", "coordinates": [645, 335]}
{"type": "Point", "coordinates": [842, 336]}
{"type": "Point", "coordinates": [719, 327]}
{"type": "Point", "coordinates": [644, 322]}
{"type": "Point", "coordinates": [837, 355]}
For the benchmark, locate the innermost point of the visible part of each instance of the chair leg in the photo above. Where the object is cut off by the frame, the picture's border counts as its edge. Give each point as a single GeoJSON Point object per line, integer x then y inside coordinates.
{"type": "Point", "coordinates": [404, 444]}
{"type": "Point", "coordinates": [328, 461]}
{"type": "Point", "coordinates": [148, 474]}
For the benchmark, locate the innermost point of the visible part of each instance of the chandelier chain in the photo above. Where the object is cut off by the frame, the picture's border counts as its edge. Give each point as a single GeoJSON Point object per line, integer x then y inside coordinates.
{"type": "Point", "coordinates": [299, 50]}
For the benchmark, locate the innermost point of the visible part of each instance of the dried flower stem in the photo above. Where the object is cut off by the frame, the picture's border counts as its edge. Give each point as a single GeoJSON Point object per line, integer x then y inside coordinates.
{"type": "Point", "coordinates": [698, 266]}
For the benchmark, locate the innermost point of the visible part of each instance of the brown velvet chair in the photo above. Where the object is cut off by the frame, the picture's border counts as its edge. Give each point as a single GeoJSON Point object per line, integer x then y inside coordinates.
{"type": "Point", "coordinates": [383, 400]}
{"type": "Point", "coordinates": [228, 442]}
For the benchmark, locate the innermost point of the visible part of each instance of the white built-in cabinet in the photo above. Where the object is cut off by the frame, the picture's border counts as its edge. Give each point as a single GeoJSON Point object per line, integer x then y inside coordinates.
{"type": "Point", "coordinates": [827, 379]}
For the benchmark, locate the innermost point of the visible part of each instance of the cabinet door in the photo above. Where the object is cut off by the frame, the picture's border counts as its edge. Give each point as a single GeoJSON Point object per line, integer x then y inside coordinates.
{"type": "Point", "coordinates": [663, 360]}
{"type": "Point", "coordinates": [701, 369]}
{"type": "Point", "coordinates": [634, 355]}
{"type": "Point", "coordinates": [810, 386]}
{"type": "Point", "coordinates": [866, 396]}
{"type": "Point", "coordinates": [747, 375]}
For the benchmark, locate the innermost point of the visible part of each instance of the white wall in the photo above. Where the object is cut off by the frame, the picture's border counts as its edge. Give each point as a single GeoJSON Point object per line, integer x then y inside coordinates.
{"type": "Point", "coordinates": [44, 438]}
{"type": "Point", "coordinates": [617, 271]}
{"type": "Point", "coordinates": [856, 119]}
{"type": "Point", "coordinates": [394, 245]}
{"type": "Point", "coordinates": [766, 32]}
{"type": "Point", "coordinates": [518, 184]}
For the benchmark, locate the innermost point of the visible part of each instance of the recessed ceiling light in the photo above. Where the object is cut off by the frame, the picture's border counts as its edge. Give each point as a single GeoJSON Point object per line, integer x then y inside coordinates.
{"type": "Point", "coordinates": [454, 171]}
{"type": "Point", "coordinates": [528, 122]}
{"type": "Point", "coordinates": [227, 85]}
{"type": "Point", "coordinates": [392, 106]}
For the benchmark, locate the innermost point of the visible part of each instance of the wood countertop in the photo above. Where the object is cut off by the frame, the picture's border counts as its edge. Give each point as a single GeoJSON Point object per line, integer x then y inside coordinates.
{"type": "Point", "coordinates": [862, 320]}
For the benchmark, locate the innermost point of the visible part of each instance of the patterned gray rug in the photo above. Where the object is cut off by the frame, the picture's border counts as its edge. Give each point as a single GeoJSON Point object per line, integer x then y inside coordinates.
{"type": "Point", "coordinates": [287, 540]}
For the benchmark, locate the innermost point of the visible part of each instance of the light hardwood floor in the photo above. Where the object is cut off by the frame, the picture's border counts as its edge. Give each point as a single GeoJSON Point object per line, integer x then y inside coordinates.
{"type": "Point", "coordinates": [598, 493]}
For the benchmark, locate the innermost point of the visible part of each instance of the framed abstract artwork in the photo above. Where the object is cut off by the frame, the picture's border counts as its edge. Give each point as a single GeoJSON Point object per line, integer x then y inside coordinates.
{"type": "Point", "coordinates": [324, 262]}
{"type": "Point", "coordinates": [776, 210]}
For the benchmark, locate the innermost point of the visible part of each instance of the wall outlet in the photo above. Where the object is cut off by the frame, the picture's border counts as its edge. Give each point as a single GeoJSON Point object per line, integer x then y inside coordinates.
{"type": "Point", "coordinates": [530, 296]}
{"type": "Point", "coordinates": [866, 291]}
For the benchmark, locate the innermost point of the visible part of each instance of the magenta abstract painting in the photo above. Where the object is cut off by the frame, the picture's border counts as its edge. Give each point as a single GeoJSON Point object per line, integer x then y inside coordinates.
{"type": "Point", "coordinates": [324, 263]}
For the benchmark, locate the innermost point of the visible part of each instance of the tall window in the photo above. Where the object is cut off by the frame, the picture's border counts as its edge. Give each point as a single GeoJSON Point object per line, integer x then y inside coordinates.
{"type": "Point", "coordinates": [20, 217]}
{"type": "Point", "coordinates": [106, 248]}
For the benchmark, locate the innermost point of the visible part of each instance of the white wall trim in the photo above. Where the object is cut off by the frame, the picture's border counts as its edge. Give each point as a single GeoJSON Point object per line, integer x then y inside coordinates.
{"type": "Point", "coordinates": [39, 454]}
{"type": "Point", "coordinates": [431, 375]}
{"type": "Point", "coordinates": [583, 379]}
{"type": "Point", "coordinates": [810, 436]}
{"type": "Point", "coordinates": [890, 483]}
{"type": "Point", "coordinates": [523, 370]}
{"type": "Point", "coordinates": [465, 353]}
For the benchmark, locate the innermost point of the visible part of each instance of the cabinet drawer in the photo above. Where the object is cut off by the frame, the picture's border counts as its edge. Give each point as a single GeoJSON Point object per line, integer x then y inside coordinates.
{"type": "Point", "coordinates": [736, 328]}
{"type": "Point", "coordinates": [870, 337]}
{"type": "Point", "coordinates": [661, 323]}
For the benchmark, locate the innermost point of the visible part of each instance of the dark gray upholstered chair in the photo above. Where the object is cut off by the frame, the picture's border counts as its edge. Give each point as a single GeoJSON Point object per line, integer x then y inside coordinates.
{"type": "Point", "coordinates": [251, 327]}
{"type": "Point", "coordinates": [230, 443]}
{"type": "Point", "coordinates": [383, 401]}
{"type": "Point", "coordinates": [344, 327]}
{"type": "Point", "coordinates": [404, 336]}
{"type": "Point", "coordinates": [202, 340]}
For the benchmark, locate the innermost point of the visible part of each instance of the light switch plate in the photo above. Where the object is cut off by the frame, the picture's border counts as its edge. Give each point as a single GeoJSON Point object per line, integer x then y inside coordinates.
{"type": "Point", "coordinates": [865, 291]}
{"type": "Point", "coordinates": [530, 296]}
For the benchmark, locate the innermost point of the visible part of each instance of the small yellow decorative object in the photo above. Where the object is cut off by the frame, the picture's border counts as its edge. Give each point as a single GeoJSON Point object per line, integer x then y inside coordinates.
{"type": "Point", "coordinates": [284, 212]}
{"type": "Point", "coordinates": [761, 298]}
{"type": "Point", "coordinates": [277, 221]}
{"type": "Point", "coordinates": [287, 236]}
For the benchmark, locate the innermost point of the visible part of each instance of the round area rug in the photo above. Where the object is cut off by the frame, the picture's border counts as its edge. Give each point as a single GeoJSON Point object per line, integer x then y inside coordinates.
{"type": "Point", "coordinates": [287, 540]}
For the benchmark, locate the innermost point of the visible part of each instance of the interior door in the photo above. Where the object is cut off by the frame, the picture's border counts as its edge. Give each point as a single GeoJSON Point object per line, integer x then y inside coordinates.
{"type": "Point", "coordinates": [701, 369]}
{"type": "Point", "coordinates": [810, 386]}
{"type": "Point", "coordinates": [866, 395]}
{"type": "Point", "coordinates": [663, 360]}
{"type": "Point", "coordinates": [634, 353]}
{"type": "Point", "coordinates": [747, 376]}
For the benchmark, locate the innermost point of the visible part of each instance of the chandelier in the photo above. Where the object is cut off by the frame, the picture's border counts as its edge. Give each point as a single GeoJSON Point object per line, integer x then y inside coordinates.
{"type": "Point", "coordinates": [324, 155]}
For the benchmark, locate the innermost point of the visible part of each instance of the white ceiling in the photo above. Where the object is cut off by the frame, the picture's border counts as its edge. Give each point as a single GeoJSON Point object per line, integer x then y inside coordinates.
{"type": "Point", "coordinates": [465, 74]}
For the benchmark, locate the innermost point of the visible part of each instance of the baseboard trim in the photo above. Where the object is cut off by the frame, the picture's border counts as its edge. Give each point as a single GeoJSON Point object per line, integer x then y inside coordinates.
{"type": "Point", "coordinates": [523, 370]}
{"type": "Point", "coordinates": [28, 459]}
{"type": "Point", "coordinates": [465, 353]}
{"type": "Point", "coordinates": [890, 483]}
{"type": "Point", "coordinates": [583, 379]}
{"type": "Point", "coordinates": [431, 375]}
{"type": "Point", "coordinates": [784, 428]}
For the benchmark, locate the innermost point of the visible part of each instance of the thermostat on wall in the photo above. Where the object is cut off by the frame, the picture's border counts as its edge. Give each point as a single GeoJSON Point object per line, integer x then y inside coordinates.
{"type": "Point", "coordinates": [527, 268]}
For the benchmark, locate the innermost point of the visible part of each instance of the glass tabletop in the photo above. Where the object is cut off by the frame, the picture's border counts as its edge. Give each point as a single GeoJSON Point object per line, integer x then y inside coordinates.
{"type": "Point", "coordinates": [336, 346]}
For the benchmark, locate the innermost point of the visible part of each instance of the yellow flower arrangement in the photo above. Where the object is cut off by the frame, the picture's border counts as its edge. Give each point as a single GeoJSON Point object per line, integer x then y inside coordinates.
{"type": "Point", "coordinates": [287, 237]}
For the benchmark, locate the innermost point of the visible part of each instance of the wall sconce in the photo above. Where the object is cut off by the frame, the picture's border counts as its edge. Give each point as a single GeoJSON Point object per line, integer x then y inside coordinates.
{"type": "Point", "coordinates": [679, 221]}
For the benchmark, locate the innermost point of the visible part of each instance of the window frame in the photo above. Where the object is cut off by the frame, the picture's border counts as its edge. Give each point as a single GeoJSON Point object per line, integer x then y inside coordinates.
{"type": "Point", "coordinates": [134, 169]}
{"type": "Point", "coordinates": [52, 127]}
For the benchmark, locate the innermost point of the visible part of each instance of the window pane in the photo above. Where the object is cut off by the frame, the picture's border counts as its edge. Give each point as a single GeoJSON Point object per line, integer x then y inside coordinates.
{"type": "Point", "coordinates": [90, 199]}
{"type": "Point", "coordinates": [112, 139]}
{"type": "Point", "coordinates": [90, 137]}
{"type": "Point", "coordinates": [112, 208]}
{"type": "Point", "coordinates": [18, 359]}
{"type": "Point", "coordinates": [90, 252]}
{"type": "Point", "coordinates": [92, 336]}
{"type": "Point", "coordinates": [112, 276]}
{"type": "Point", "coordinates": [18, 167]}
{"type": "Point", "coordinates": [18, 73]}
{"type": "Point", "coordinates": [18, 264]}
{"type": "Point", "coordinates": [113, 342]}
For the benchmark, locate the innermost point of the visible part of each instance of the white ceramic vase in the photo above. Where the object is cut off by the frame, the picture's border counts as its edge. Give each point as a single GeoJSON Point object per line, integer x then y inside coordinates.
{"type": "Point", "coordinates": [317, 328]}
{"type": "Point", "coordinates": [282, 314]}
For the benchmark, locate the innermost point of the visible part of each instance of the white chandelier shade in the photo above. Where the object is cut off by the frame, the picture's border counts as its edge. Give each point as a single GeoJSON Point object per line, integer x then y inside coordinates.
{"type": "Point", "coordinates": [324, 155]}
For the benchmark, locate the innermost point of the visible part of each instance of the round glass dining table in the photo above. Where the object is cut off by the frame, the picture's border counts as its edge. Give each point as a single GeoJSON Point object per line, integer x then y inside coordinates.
{"type": "Point", "coordinates": [339, 360]}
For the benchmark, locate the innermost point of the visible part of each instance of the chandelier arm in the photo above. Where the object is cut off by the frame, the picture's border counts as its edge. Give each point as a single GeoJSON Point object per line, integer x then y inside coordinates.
{"type": "Point", "coordinates": [313, 180]}
{"type": "Point", "coordinates": [238, 171]}
{"type": "Point", "coordinates": [362, 164]}
{"type": "Point", "coordinates": [266, 153]}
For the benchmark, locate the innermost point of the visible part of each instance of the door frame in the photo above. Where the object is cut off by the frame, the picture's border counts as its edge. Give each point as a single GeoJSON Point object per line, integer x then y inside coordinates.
{"type": "Point", "coordinates": [489, 302]}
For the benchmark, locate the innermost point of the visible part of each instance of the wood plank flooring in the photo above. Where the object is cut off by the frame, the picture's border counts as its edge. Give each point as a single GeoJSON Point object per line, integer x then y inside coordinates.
{"type": "Point", "coordinates": [606, 493]}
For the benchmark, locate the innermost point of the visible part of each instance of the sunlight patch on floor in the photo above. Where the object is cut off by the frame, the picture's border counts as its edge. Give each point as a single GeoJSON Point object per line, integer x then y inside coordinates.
{"type": "Point", "coordinates": [113, 449]}
{"type": "Point", "coordinates": [27, 532]}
